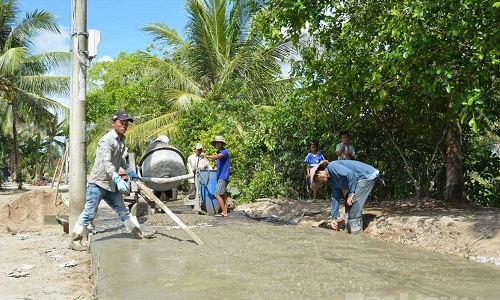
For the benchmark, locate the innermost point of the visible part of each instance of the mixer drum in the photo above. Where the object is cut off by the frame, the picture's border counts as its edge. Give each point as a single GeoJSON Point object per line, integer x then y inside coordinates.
{"type": "Point", "coordinates": [162, 160]}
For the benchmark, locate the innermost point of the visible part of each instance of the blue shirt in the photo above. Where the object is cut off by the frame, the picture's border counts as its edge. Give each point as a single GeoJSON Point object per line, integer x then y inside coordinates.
{"type": "Point", "coordinates": [313, 160]}
{"type": "Point", "coordinates": [223, 164]}
{"type": "Point", "coordinates": [345, 174]}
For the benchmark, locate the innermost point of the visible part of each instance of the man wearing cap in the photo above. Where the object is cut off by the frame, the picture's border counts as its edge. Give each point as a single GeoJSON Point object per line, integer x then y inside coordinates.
{"type": "Point", "coordinates": [196, 162]}
{"type": "Point", "coordinates": [105, 182]}
{"type": "Point", "coordinates": [223, 165]}
{"type": "Point", "coordinates": [356, 177]}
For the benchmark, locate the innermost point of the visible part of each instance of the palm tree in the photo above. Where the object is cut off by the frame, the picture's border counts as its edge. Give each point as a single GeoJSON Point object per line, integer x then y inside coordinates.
{"type": "Point", "coordinates": [24, 79]}
{"type": "Point", "coordinates": [218, 52]}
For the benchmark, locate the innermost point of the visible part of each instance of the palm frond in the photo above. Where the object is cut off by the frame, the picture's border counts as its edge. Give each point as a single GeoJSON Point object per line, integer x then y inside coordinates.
{"type": "Point", "coordinates": [137, 134]}
{"type": "Point", "coordinates": [175, 76]}
{"type": "Point", "coordinates": [203, 35]}
{"type": "Point", "coordinates": [12, 60]}
{"type": "Point", "coordinates": [24, 33]}
{"type": "Point", "coordinates": [45, 62]}
{"type": "Point", "coordinates": [8, 19]}
{"type": "Point", "coordinates": [181, 100]}
{"type": "Point", "coordinates": [6, 119]}
{"type": "Point", "coordinates": [38, 106]}
{"type": "Point", "coordinates": [45, 85]}
{"type": "Point", "coordinates": [164, 34]}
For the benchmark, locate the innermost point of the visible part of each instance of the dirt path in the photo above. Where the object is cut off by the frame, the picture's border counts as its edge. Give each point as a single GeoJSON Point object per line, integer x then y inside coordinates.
{"type": "Point", "coordinates": [37, 264]}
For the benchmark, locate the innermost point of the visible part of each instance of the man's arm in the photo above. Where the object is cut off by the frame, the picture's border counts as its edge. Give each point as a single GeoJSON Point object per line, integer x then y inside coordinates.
{"type": "Point", "coordinates": [104, 152]}
{"type": "Point", "coordinates": [334, 206]}
{"type": "Point", "coordinates": [216, 156]}
{"type": "Point", "coordinates": [353, 183]}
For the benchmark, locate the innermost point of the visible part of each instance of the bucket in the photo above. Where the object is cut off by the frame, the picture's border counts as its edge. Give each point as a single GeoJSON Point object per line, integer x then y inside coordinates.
{"type": "Point", "coordinates": [207, 183]}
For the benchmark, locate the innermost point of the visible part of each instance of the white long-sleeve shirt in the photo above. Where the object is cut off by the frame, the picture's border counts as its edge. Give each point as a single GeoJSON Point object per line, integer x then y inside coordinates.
{"type": "Point", "coordinates": [108, 159]}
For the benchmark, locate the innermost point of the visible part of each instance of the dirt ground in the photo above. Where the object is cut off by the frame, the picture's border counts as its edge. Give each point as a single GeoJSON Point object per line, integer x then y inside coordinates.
{"type": "Point", "coordinates": [36, 263]}
{"type": "Point", "coordinates": [35, 260]}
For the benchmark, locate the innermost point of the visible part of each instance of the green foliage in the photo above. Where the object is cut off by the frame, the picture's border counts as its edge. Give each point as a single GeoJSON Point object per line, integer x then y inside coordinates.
{"type": "Point", "coordinates": [34, 155]}
{"type": "Point", "coordinates": [280, 139]}
{"type": "Point", "coordinates": [217, 59]}
{"type": "Point", "coordinates": [396, 75]}
{"type": "Point", "coordinates": [25, 80]}
{"type": "Point", "coordinates": [206, 120]}
{"type": "Point", "coordinates": [255, 153]}
{"type": "Point", "coordinates": [483, 179]}
{"type": "Point", "coordinates": [481, 167]}
{"type": "Point", "coordinates": [416, 71]}
{"type": "Point", "coordinates": [20, 179]}
{"type": "Point", "coordinates": [264, 182]}
{"type": "Point", "coordinates": [123, 84]}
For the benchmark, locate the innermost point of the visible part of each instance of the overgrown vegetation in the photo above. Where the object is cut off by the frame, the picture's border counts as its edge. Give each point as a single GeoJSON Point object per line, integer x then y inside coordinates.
{"type": "Point", "coordinates": [414, 82]}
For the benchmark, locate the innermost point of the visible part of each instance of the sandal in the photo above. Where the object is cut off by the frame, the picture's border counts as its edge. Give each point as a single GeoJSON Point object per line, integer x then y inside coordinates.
{"type": "Point", "coordinates": [220, 215]}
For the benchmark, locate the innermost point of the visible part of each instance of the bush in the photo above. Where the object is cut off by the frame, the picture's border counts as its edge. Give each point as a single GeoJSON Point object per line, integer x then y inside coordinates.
{"type": "Point", "coordinates": [20, 179]}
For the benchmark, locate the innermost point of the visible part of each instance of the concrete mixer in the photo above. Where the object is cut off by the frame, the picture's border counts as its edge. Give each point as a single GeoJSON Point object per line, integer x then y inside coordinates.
{"type": "Point", "coordinates": [162, 169]}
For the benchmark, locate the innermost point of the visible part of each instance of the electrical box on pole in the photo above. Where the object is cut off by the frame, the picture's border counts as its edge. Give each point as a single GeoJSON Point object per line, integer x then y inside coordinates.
{"type": "Point", "coordinates": [94, 39]}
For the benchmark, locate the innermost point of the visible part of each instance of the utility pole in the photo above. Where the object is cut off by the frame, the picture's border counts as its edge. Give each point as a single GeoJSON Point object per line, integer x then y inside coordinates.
{"type": "Point", "coordinates": [77, 140]}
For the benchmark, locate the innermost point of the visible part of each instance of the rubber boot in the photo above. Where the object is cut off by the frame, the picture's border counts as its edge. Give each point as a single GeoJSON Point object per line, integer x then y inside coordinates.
{"type": "Point", "coordinates": [356, 226]}
{"type": "Point", "coordinates": [132, 225]}
{"type": "Point", "coordinates": [143, 233]}
{"type": "Point", "coordinates": [75, 241]}
{"type": "Point", "coordinates": [346, 222]}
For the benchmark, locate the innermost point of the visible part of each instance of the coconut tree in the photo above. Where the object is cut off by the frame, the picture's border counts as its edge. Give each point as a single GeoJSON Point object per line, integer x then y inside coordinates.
{"type": "Point", "coordinates": [218, 57]}
{"type": "Point", "coordinates": [24, 76]}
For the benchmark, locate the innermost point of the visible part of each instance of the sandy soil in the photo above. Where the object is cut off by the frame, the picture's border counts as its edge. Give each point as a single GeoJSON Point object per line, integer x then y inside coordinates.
{"type": "Point", "coordinates": [36, 263]}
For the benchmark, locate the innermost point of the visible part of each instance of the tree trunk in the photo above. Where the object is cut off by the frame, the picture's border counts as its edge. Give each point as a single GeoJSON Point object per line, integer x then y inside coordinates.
{"type": "Point", "coordinates": [15, 146]}
{"type": "Point", "coordinates": [455, 192]}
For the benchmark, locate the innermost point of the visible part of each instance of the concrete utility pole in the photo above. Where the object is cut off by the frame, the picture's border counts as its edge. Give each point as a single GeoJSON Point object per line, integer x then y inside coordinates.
{"type": "Point", "coordinates": [77, 141]}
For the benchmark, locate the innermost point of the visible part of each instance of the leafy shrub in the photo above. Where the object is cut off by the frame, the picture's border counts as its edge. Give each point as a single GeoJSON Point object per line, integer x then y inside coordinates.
{"type": "Point", "coordinates": [265, 183]}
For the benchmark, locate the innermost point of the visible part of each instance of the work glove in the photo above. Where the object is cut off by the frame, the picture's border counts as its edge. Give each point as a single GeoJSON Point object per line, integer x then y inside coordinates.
{"type": "Point", "coordinates": [120, 183]}
{"type": "Point", "coordinates": [132, 174]}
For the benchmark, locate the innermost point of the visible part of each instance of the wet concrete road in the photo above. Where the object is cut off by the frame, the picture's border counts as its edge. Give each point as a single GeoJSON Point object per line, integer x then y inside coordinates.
{"type": "Point", "coordinates": [245, 259]}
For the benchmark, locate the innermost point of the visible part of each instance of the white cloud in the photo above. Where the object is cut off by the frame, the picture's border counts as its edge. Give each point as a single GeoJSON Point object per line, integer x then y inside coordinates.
{"type": "Point", "coordinates": [48, 42]}
{"type": "Point", "coordinates": [105, 58]}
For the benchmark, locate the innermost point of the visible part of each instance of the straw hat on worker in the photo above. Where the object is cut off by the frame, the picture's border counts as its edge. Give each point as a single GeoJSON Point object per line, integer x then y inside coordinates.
{"type": "Point", "coordinates": [218, 138]}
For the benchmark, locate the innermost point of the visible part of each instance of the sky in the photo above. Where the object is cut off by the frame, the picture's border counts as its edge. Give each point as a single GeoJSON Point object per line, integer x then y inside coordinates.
{"type": "Point", "coordinates": [119, 22]}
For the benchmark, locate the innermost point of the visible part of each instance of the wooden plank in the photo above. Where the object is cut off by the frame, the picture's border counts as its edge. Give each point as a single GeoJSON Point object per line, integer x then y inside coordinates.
{"type": "Point", "coordinates": [63, 162]}
{"type": "Point", "coordinates": [143, 188]}
{"type": "Point", "coordinates": [55, 172]}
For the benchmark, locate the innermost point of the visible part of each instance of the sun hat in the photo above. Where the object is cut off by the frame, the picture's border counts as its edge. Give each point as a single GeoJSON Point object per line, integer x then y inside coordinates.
{"type": "Point", "coordinates": [218, 138]}
{"type": "Point", "coordinates": [319, 167]}
{"type": "Point", "coordinates": [198, 146]}
{"type": "Point", "coordinates": [121, 115]}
